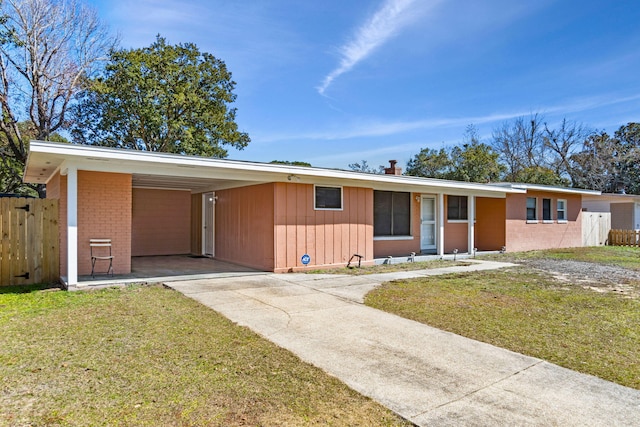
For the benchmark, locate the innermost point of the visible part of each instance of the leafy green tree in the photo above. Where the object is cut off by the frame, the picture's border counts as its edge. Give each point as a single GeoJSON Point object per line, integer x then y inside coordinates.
{"type": "Point", "coordinates": [474, 161]}
{"type": "Point", "coordinates": [430, 163]}
{"type": "Point", "coordinates": [594, 166]}
{"type": "Point", "coordinates": [541, 175]}
{"type": "Point", "coordinates": [627, 140]}
{"type": "Point", "coordinates": [609, 164]}
{"type": "Point", "coordinates": [161, 98]}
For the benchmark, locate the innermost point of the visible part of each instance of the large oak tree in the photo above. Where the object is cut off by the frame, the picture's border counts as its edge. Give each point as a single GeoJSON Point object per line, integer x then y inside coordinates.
{"type": "Point", "coordinates": [167, 98]}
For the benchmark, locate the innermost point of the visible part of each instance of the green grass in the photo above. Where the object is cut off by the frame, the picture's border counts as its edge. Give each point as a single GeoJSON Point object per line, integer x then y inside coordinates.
{"type": "Point", "coordinates": [390, 268]}
{"type": "Point", "coordinates": [523, 311]}
{"type": "Point", "coordinates": [150, 356]}
{"type": "Point", "coordinates": [621, 256]}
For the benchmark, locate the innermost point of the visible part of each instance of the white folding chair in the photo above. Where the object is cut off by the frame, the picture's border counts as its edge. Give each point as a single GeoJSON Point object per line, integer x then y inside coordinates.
{"type": "Point", "coordinates": [101, 251]}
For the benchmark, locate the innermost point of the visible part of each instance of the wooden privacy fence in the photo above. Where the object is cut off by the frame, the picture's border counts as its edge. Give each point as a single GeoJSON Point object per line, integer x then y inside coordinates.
{"type": "Point", "coordinates": [29, 251]}
{"type": "Point", "coordinates": [624, 238]}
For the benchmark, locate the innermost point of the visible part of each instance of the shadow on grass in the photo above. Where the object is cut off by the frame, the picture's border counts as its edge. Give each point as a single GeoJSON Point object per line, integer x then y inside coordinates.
{"type": "Point", "coordinates": [25, 289]}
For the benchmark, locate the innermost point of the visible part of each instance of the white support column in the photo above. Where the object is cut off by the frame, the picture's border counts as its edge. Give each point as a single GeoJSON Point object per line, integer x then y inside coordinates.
{"type": "Point", "coordinates": [471, 216]}
{"type": "Point", "coordinates": [72, 226]}
{"type": "Point", "coordinates": [440, 222]}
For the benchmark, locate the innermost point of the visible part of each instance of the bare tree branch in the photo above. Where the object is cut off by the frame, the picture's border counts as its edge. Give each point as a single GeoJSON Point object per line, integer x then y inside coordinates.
{"type": "Point", "coordinates": [54, 44]}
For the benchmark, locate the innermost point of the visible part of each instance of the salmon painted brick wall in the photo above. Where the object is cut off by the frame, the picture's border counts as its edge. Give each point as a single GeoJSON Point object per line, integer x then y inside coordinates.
{"type": "Point", "coordinates": [490, 225]}
{"type": "Point", "coordinates": [398, 248]}
{"type": "Point", "coordinates": [329, 237]}
{"type": "Point", "coordinates": [160, 222]}
{"type": "Point", "coordinates": [523, 236]}
{"type": "Point", "coordinates": [104, 211]}
{"type": "Point", "coordinates": [244, 226]}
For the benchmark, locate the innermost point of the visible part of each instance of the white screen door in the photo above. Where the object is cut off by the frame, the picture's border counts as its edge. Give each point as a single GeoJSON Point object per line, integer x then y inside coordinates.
{"type": "Point", "coordinates": [428, 224]}
{"type": "Point", "coordinates": [208, 221]}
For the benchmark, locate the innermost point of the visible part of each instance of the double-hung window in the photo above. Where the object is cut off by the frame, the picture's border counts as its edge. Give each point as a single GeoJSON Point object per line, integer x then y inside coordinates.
{"type": "Point", "coordinates": [457, 208]}
{"type": "Point", "coordinates": [562, 210]}
{"type": "Point", "coordinates": [532, 214]}
{"type": "Point", "coordinates": [391, 213]}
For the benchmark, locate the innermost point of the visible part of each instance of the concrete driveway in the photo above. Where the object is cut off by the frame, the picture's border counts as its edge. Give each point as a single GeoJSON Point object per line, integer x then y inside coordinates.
{"type": "Point", "coordinates": [428, 376]}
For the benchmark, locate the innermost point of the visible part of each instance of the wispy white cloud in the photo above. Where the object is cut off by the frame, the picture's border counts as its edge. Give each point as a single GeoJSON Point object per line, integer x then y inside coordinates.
{"type": "Point", "coordinates": [392, 16]}
{"type": "Point", "coordinates": [373, 128]}
{"type": "Point", "coordinates": [379, 128]}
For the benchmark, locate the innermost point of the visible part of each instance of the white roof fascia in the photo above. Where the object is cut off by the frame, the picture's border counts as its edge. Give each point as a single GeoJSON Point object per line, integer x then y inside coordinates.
{"type": "Point", "coordinates": [103, 159]}
{"type": "Point", "coordinates": [615, 198]}
{"type": "Point", "coordinates": [553, 189]}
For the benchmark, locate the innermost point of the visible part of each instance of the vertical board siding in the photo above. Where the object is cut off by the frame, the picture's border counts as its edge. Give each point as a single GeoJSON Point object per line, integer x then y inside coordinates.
{"type": "Point", "coordinates": [595, 228]}
{"type": "Point", "coordinates": [30, 241]}
{"type": "Point", "coordinates": [329, 237]}
{"type": "Point", "coordinates": [490, 223]}
{"type": "Point", "coordinates": [622, 216]}
{"type": "Point", "coordinates": [244, 232]}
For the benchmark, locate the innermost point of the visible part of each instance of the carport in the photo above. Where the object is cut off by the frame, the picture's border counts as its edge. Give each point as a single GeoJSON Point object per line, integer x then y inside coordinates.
{"type": "Point", "coordinates": [169, 267]}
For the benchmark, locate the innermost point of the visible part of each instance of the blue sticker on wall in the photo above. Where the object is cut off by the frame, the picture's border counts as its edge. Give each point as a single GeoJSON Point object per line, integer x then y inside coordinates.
{"type": "Point", "coordinates": [306, 259]}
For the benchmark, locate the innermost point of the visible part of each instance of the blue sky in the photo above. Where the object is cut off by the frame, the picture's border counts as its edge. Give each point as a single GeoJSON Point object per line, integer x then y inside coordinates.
{"type": "Point", "coordinates": [334, 82]}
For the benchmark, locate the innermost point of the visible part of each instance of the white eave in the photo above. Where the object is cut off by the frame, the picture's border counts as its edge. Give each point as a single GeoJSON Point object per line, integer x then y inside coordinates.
{"type": "Point", "coordinates": [550, 188]}
{"type": "Point", "coordinates": [150, 169]}
{"type": "Point", "coordinates": [614, 198]}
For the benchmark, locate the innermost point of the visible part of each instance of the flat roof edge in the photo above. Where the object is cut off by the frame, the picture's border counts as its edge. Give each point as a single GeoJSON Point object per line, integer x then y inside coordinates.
{"type": "Point", "coordinates": [89, 152]}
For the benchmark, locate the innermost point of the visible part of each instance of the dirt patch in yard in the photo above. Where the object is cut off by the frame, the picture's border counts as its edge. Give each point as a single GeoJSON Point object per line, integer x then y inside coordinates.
{"type": "Point", "coordinates": [597, 277]}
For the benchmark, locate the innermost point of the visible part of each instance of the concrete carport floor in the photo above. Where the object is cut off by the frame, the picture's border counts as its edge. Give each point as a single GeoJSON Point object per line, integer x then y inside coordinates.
{"type": "Point", "coordinates": [427, 376]}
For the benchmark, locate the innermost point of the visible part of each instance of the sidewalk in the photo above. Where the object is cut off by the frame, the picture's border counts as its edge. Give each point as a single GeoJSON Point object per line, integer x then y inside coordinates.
{"type": "Point", "coordinates": [428, 376]}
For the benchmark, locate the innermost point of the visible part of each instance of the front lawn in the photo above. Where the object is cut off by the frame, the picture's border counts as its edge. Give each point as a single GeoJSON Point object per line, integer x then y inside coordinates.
{"type": "Point", "coordinates": [390, 268]}
{"type": "Point", "coordinates": [150, 356]}
{"type": "Point", "coordinates": [530, 313]}
{"type": "Point", "coordinates": [620, 256]}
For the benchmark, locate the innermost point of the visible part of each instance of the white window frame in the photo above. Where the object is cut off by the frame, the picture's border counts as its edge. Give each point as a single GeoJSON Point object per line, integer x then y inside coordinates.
{"type": "Point", "coordinates": [396, 236]}
{"type": "Point", "coordinates": [315, 198]}
{"type": "Point", "coordinates": [535, 209]}
{"type": "Point", "coordinates": [564, 210]}
{"type": "Point", "coordinates": [457, 221]}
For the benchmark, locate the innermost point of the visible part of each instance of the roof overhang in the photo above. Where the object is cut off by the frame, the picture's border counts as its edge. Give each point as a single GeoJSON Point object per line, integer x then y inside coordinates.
{"type": "Point", "coordinates": [614, 198]}
{"type": "Point", "coordinates": [552, 189]}
{"type": "Point", "coordinates": [197, 174]}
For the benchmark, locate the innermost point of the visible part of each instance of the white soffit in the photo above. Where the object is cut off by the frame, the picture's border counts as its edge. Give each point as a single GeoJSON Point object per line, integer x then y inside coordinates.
{"type": "Point", "coordinates": [177, 171]}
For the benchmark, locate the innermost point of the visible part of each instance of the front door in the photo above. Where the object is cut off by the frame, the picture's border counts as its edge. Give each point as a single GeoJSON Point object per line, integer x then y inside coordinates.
{"type": "Point", "coordinates": [208, 221]}
{"type": "Point", "coordinates": [428, 224]}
